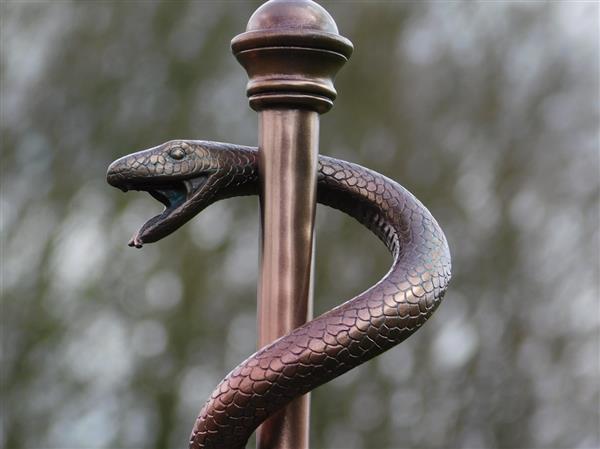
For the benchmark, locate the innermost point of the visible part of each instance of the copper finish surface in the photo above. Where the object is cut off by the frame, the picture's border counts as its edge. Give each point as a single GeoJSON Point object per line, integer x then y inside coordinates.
{"type": "Point", "coordinates": [292, 52]}
{"type": "Point", "coordinates": [287, 157]}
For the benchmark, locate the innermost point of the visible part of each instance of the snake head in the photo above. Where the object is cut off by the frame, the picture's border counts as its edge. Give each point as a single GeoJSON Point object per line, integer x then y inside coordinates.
{"type": "Point", "coordinates": [180, 174]}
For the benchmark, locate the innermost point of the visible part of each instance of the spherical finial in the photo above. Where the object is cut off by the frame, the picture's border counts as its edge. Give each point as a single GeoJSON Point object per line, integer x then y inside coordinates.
{"type": "Point", "coordinates": [298, 14]}
{"type": "Point", "coordinates": [292, 51]}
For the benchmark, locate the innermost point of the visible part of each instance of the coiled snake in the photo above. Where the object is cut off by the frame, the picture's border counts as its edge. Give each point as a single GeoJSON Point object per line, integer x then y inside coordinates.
{"type": "Point", "coordinates": [187, 176]}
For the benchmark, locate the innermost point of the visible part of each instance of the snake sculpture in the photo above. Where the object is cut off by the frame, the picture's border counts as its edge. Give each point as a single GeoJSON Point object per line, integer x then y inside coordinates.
{"type": "Point", "coordinates": [187, 176]}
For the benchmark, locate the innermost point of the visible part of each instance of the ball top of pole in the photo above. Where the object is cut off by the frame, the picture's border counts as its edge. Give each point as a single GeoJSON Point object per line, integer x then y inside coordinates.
{"type": "Point", "coordinates": [291, 51]}
{"type": "Point", "coordinates": [292, 14]}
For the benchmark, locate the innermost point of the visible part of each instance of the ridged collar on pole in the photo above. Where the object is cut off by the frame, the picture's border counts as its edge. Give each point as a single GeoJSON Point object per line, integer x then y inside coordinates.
{"type": "Point", "coordinates": [292, 51]}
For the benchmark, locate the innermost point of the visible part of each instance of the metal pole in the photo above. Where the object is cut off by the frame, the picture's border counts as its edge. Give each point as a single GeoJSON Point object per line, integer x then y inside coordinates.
{"type": "Point", "coordinates": [288, 148]}
{"type": "Point", "coordinates": [291, 50]}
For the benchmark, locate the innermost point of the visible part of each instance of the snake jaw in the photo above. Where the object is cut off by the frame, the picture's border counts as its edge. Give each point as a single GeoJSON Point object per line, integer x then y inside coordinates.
{"type": "Point", "coordinates": [178, 197]}
{"type": "Point", "coordinates": [185, 176]}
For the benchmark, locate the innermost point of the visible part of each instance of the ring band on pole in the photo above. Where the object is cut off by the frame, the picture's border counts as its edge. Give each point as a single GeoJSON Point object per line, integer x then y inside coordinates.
{"type": "Point", "coordinates": [292, 51]}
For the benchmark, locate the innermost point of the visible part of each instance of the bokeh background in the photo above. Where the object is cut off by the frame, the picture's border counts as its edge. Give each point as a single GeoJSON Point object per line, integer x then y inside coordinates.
{"type": "Point", "coordinates": [487, 111]}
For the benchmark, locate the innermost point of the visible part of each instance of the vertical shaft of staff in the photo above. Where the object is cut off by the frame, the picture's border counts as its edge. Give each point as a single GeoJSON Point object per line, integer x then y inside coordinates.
{"type": "Point", "coordinates": [291, 51]}
{"type": "Point", "coordinates": [288, 149]}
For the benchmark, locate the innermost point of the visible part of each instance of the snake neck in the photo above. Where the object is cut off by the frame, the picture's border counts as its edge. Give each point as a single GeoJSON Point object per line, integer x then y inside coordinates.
{"type": "Point", "coordinates": [347, 187]}
{"type": "Point", "coordinates": [236, 171]}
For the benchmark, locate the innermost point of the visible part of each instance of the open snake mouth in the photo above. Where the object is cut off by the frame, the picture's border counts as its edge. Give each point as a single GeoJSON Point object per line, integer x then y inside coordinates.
{"type": "Point", "coordinates": [176, 197]}
{"type": "Point", "coordinates": [171, 196]}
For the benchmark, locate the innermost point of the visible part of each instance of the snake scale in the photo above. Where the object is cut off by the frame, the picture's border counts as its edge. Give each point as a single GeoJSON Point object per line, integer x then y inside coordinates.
{"type": "Point", "coordinates": [187, 176]}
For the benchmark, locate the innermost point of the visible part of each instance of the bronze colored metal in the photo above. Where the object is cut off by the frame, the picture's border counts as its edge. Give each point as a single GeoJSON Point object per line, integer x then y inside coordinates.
{"type": "Point", "coordinates": [291, 50]}
{"type": "Point", "coordinates": [333, 343]}
{"type": "Point", "coordinates": [288, 175]}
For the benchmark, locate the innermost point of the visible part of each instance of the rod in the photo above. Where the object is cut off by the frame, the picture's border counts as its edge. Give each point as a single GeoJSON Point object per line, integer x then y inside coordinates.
{"type": "Point", "coordinates": [291, 51]}
{"type": "Point", "coordinates": [288, 148]}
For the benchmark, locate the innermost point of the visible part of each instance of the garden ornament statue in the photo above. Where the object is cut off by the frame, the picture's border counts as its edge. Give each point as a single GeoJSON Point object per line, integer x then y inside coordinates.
{"type": "Point", "coordinates": [292, 51]}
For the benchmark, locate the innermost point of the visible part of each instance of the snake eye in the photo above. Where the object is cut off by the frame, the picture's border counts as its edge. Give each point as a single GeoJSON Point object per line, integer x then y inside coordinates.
{"type": "Point", "coordinates": [177, 153]}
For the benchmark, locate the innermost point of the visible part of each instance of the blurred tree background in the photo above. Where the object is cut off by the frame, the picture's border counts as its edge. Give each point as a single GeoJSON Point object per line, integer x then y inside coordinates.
{"type": "Point", "coordinates": [487, 111]}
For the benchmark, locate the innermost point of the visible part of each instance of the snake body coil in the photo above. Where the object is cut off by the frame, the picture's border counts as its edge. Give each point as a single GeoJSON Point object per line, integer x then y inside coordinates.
{"type": "Point", "coordinates": [189, 175]}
